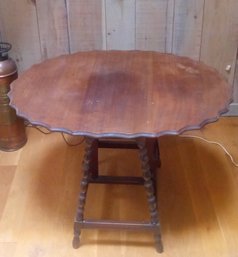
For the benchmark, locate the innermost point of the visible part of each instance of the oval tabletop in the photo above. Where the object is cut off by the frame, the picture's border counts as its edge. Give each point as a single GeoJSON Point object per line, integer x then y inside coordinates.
{"type": "Point", "coordinates": [120, 94]}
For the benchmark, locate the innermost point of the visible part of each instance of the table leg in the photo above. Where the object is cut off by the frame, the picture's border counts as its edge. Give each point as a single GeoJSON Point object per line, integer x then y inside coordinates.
{"type": "Point", "coordinates": [94, 160]}
{"type": "Point", "coordinates": [83, 189]}
{"type": "Point", "coordinates": [150, 191]}
{"type": "Point", "coordinates": [154, 159]}
{"type": "Point", "coordinates": [149, 160]}
{"type": "Point", "coordinates": [153, 152]}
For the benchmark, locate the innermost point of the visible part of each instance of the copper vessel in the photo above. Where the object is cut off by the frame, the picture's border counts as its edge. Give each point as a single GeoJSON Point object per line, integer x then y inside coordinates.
{"type": "Point", "coordinates": [12, 128]}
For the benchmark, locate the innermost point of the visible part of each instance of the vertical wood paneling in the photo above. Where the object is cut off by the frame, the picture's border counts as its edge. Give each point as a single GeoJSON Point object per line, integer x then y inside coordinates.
{"type": "Point", "coordinates": [235, 83]}
{"type": "Point", "coordinates": [187, 29]}
{"type": "Point", "coordinates": [2, 31]}
{"type": "Point", "coordinates": [201, 29]}
{"type": "Point", "coordinates": [220, 35]}
{"type": "Point", "coordinates": [120, 24]}
{"type": "Point", "coordinates": [21, 30]}
{"type": "Point", "coordinates": [85, 24]}
{"type": "Point", "coordinates": [104, 38]}
{"type": "Point", "coordinates": [53, 27]}
{"type": "Point", "coordinates": [151, 21]}
{"type": "Point", "coordinates": [169, 25]}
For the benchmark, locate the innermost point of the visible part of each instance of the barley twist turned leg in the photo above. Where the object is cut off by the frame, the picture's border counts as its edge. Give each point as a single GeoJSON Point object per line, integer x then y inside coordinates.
{"type": "Point", "coordinates": [150, 192]}
{"type": "Point", "coordinates": [83, 190]}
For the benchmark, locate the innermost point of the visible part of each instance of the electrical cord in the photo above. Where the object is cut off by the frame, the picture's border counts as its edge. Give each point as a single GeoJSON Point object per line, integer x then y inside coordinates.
{"type": "Point", "coordinates": [214, 143]}
{"type": "Point", "coordinates": [69, 144]}
{"type": "Point", "coordinates": [185, 136]}
{"type": "Point", "coordinates": [47, 132]}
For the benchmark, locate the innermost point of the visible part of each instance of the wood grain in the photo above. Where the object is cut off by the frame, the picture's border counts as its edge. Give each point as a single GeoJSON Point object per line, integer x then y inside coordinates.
{"type": "Point", "coordinates": [170, 25]}
{"type": "Point", "coordinates": [197, 197]}
{"type": "Point", "coordinates": [85, 24]}
{"type": "Point", "coordinates": [235, 83]}
{"type": "Point", "coordinates": [187, 29]}
{"type": "Point", "coordinates": [204, 30]}
{"type": "Point", "coordinates": [120, 24]}
{"type": "Point", "coordinates": [53, 27]}
{"type": "Point", "coordinates": [151, 25]}
{"type": "Point", "coordinates": [21, 30]}
{"type": "Point", "coordinates": [120, 93]}
{"type": "Point", "coordinates": [220, 35]}
{"type": "Point", "coordinates": [9, 158]}
{"type": "Point", "coordinates": [2, 30]}
{"type": "Point", "coordinates": [7, 174]}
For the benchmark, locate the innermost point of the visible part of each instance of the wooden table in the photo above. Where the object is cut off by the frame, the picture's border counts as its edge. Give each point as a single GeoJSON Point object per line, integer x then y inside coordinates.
{"type": "Point", "coordinates": [134, 95]}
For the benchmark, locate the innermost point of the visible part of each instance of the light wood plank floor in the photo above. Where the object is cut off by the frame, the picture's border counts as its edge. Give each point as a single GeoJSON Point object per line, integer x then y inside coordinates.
{"type": "Point", "coordinates": [197, 196]}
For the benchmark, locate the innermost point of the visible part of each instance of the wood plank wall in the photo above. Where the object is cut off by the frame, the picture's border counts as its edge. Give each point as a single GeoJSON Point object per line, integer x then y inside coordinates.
{"type": "Point", "coordinates": [205, 30]}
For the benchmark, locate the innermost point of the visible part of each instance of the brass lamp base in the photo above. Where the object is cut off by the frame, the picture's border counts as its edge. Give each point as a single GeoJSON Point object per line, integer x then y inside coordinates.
{"type": "Point", "coordinates": [12, 137]}
{"type": "Point", "coordinates": [12, 128]}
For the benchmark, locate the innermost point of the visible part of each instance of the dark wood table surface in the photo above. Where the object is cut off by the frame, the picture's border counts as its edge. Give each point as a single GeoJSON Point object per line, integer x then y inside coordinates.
{"type": "Point", "coordinates": [124, 94]}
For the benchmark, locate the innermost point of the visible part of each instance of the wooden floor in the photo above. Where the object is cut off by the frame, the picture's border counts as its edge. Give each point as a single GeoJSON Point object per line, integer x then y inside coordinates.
{"type": "Point", "coordinates": [198, 198]}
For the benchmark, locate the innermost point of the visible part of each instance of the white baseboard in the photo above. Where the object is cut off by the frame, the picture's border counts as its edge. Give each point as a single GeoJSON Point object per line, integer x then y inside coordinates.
{"type": "Point", "coordinates": [233, 110]}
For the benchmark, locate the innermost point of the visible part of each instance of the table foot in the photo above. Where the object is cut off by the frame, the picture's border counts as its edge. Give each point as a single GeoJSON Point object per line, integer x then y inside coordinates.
{"type": "Point", "coordinates": [76, 242]}
{"type": "Point", "coordinates": [76, 239]}
{"type": "Point", "coordinates": [158, 243]}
